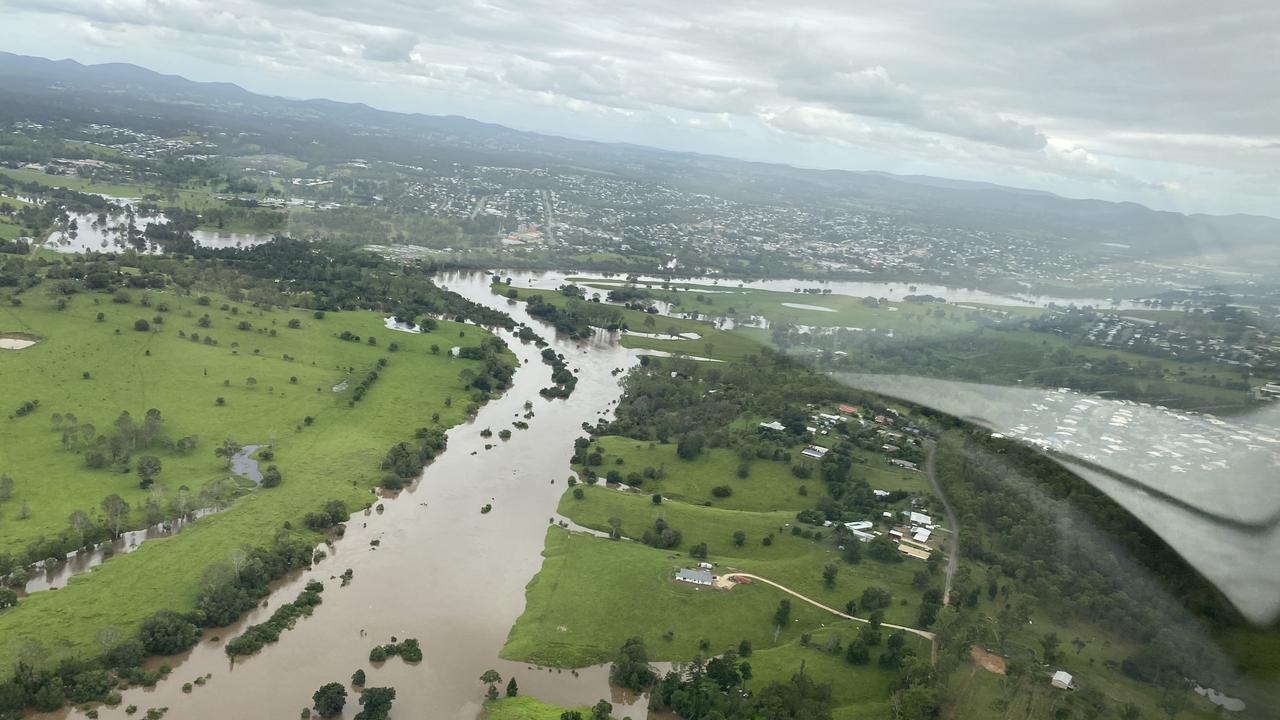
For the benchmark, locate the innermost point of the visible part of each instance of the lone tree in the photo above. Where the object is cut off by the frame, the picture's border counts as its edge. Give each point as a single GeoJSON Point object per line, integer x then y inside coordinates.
{"type": "Point", "coordinates": [117, 512]}
{"type": "Point", "coordinates": [829, 572]}
{"type": "Point", "coordinates": [783, 614]}
{"type": "Point", "coordinates": [491, 678]}
{"type": "Point", "coordinates": [228, 450]}
{"type": "Point", "coordinates": [512, 688]}
{"type": "Point", "coordinates": [148, 469]}
{"type": "Point", "coordinates": [80, 523]}
{"type": "Point", "coordinates": [329, 699]}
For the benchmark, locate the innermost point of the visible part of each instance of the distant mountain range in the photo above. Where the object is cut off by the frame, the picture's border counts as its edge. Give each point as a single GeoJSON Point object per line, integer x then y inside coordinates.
{"type": "Point", "coordinates": [326, 131]}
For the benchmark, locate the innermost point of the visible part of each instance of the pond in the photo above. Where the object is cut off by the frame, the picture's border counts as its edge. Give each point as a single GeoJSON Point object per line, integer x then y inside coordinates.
{"type": "Point", "coordinates": [17, 341]}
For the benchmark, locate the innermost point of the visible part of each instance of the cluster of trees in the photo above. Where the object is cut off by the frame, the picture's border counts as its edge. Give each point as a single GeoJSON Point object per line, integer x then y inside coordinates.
{"type": "Point", "coordinates": [408, 649]}
{"type": "Point", "coordinates": [706, 690]}
{"type": "Point", "coordinates": [115, 449]}
{"type": "Point", "coordinates": [661, 535]}
{"type": "Point", "coordinates": [255, 636]}
{"type": "Point", "coordinates": [563, 378]}
{"type": "Point", "coordinates": [332, 513]}
{"type": "Point", "coordinates": [495, 371]}
{"type": "Point", "coordinates": [576, 318]}
{"type": "Point", "coordinates": [405, 459]}
{"type": "Point", "coordinates": [365, 383]}
{"type": "Point", "coordinates": [631, 668]}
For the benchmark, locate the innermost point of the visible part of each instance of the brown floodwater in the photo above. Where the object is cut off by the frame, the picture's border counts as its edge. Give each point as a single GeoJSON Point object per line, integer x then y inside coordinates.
{"type": "Point", "coordinates": [443, 572]}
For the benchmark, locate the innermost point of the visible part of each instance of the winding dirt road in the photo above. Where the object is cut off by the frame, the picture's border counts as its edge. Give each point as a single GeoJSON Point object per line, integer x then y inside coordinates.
{"type": "Point", "coordinates": [953, 527]}
{"type": "Point", "coordinates": [933, 639]}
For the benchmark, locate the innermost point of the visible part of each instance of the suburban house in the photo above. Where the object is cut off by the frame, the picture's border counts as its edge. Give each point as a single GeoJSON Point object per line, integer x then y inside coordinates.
{"type": "Point", "coordinates": [847, 409]}
{"type": "Point", "coordinates": [774, 425]}
{"type": "Point", "coordinates": [1062, 679]}
{"type": "Point", "coordinates": [695, 576]}
{"type": "Point", "coordinates": [904, 464]}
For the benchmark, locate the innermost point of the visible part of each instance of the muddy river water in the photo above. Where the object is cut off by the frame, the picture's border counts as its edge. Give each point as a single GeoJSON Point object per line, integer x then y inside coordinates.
{"type": "Point", "coordinates": [442, 573]}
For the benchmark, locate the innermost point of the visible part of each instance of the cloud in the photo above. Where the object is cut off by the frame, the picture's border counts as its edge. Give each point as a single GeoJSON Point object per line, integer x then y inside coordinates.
{"type": "Point", "coordinates": [871, 92]}
{"type": "Point", "coordinates": [1096, 98]}
{"type": "Point", "coordinates": [390, 46]}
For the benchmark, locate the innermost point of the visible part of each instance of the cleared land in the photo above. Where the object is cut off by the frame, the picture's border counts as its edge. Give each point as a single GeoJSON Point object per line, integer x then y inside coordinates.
{"type": "Point", "coordinates": [790, 560]}
{"type": "Point", "coordinates": [335, 457]}
{"type": "Point", "coordinates": [593, 594]}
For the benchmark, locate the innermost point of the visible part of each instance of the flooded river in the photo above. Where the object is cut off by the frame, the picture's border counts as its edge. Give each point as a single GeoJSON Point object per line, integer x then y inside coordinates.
{"type": "Point", "coordinates": [112, 235]}
{"type": "Point", "coordinates": [895, 291]}
{"type": "Point", "coordinates": [442, 572]}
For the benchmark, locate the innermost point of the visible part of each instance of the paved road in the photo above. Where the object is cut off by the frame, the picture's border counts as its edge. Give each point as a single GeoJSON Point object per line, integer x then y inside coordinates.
{"type": "Point", "coordinates": [953, 528]}
{"type": "Point", "coordinates": [933, 639]}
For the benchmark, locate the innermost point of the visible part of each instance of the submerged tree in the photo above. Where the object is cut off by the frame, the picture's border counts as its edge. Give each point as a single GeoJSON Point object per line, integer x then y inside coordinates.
{"type": "Point", "coordinates": [329, 699]}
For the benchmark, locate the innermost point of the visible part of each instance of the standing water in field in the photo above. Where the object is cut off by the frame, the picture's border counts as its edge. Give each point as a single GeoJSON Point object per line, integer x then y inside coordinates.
{"type": "Point", "coordinates": [442, 571]}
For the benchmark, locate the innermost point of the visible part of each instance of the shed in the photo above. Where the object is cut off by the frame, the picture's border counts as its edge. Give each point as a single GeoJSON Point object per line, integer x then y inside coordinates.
{"type": "Point", "coordinates": [1062, 679]}
{"type": "Point", "coordinates": [815, 452]}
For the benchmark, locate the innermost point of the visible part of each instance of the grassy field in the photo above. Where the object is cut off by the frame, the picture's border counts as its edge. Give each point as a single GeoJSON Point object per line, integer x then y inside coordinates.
{"type": "Point", "coordinates": [526, 708]}
{"type": "Point", "coordinates": [790, 560]}
{"type": "Point", "coordinates": [336, 457]}
{"type": "Point", "coordinates": [769, 486]}
{"type": "Point", "coordinates": [593, 594]}
{"type": "Point", "coordinates": [858, 693]}
{"type": "Point", "coordinates": [9, 227]}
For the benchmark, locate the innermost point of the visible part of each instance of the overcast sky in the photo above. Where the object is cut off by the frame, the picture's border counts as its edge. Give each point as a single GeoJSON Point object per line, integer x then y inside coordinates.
{"type": "Point", "coordinates": [1174, 104]}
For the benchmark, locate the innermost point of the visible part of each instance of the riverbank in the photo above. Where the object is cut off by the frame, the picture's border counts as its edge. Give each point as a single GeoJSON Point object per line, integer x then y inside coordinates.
{"type": "Point", "coordinates": [274, 382]}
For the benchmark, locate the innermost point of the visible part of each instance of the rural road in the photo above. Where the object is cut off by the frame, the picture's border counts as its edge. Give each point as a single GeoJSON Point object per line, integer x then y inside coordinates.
{"type": "Point", "coordinates": [933, 640]}
{"type": "Point", "coordinates": [953, 527]}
